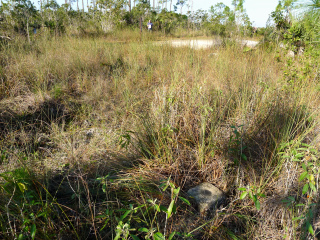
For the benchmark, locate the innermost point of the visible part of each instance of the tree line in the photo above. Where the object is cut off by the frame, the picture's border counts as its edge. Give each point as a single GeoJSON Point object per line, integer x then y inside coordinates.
{"type": "Point", "coordinates": [292, 21]}
{"type": "Point", "coordinates": [102, 16]}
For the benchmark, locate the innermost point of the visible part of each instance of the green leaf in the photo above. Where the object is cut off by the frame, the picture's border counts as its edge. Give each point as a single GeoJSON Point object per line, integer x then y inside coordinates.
{"type": "Point", "coordinates": [242, 189]}
{"type": "Point", "coordinates": [250, 195]}
{"type": "Point", "coordinates": [257, 203]}
{"type": "Point", "coordinates": [156, 206]}
{"type": "Point", "coordinates": [300, 205]}
{"type": "Point", "coordinates": [176, 191]}
{"type": "Point", "coordinates": [312, 186]}
{"type": "Point", "coordinates": [299, 155]}
{"type": "Point", "coordinates": [296, 160]}
{"type": "Point", "coordinates": [244, 157]}
{"type": "Point", "coordinates": [185, 200]}
{"type": "Point", "coordinates": [164, 209]}
{"type": "Point", "coordinates": [117, 236]}
{"type": "Point", "coordinates": [20, 236]}
{"type": "Point", "coordinates": [22, 187]}
{"type": "Point", "coordinates": [174, 209]}
{"type": "Point", "coordinates": [171, 235]}
{"type": "Point", "coordinates": [163, 186]}
{"type": "Point", "coordinates": [170, 208]}
{"type": "Point", "coordinates": [243, 195]}
{"type": "Point", "coordinates": [134, 237]}
{"type": "Point", "coordinates": [304, 167]}
{"type": "Point", "coordinates": [125, 214]}
{"type": "Point", "coordinates": [303, 176]}
{"type": "Point", "coordinates": [158, 236]}
{"type": "Point", "coordinates": [145, 230]}
{"type": "Point", "coordinates": [310, 229]}
{"type": "Point", "coordinates": [302, 149]}
{"type": "Point", "coordinates": [305, 188]}
{"type": "Point", "coordinates": [313, 150]}
{"type": "Point", "coordinates": [297, 218]}
{"type": "Point", "coordinates": [33, 231]}
{"type": "Point", "coordinates": [292, 199]}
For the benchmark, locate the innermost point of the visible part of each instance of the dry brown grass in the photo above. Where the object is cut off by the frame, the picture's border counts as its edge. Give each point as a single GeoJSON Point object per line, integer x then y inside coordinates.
{"type": "Point", "coordinates": [65, 103]}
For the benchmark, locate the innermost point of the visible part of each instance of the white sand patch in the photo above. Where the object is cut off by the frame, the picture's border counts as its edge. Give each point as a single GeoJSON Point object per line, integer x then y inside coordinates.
{"type": "Point", "coordinates": [202, 44]}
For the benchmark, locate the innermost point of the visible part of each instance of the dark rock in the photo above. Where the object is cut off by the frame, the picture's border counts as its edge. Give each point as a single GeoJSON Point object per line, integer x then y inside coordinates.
{"type": "Point", "coordinates": [207, 196]}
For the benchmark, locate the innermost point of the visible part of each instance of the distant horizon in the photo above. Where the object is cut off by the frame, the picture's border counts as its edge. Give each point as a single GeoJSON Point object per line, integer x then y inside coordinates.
{"type": "Point", "coordinates": [257, 10]}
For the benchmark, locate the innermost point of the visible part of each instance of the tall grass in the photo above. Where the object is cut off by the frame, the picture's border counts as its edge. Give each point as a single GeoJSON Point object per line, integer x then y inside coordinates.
{"type": "Point", "coordinates": [90, 126]}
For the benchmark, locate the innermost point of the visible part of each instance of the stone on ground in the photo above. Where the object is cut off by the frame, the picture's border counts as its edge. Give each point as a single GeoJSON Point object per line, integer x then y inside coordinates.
{"type": "Point", "coordinates": [207, 196]}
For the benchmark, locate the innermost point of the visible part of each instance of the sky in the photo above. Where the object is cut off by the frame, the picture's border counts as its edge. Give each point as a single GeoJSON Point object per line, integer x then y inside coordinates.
{"type": "Point", "coordinates": [257, 10]}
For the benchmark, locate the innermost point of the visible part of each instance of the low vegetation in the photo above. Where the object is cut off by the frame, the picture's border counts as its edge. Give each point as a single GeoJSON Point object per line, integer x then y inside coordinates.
{"type": "Point", "coordinates": [101, 136]}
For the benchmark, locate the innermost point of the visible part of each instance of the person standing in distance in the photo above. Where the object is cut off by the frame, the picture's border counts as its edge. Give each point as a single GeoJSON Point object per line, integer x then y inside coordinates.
{"type": "Point", "coordinates": [149, 25]}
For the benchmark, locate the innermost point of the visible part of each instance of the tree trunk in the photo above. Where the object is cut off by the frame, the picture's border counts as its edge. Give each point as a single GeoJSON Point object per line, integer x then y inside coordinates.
{"type": "Point", "coordinates": [82, 5]}
{"type": "Point", "coordinates": [28, 31]}
{"type": "Point", "coordinates": [129, 5]}
{"type": "Point", "coordinates": [154, 5]}
{"type": "Point", "coordinates": [78, 5]}
{"type": "Point", "coordinates": [170, 5]}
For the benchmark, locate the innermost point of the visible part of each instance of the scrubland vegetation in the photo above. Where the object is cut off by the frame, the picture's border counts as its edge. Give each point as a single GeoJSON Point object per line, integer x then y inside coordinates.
{"type": "Point", "coordinates": [102, 135]}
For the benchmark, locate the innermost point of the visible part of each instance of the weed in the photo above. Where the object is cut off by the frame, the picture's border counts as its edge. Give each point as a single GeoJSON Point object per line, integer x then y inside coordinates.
{"type": "Point", "coordinates": [236, 146]}
{"type": "Point", "coordinates": [307, 157]}
{"type": "Point", "coordinates": [254, 194]}
{"type": "Point", "coordinates": [137, 216]}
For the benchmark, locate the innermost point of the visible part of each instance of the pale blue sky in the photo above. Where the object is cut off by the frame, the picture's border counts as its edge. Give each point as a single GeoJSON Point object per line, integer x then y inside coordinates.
{"type": "Point", "coordinates": [257, 10]}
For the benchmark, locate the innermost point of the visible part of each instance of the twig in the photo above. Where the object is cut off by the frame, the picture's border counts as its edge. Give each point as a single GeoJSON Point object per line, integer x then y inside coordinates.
{"type": "Point", "coordinates": [5, 37]}
{"type": "Point", "coordinates": [14, 190]}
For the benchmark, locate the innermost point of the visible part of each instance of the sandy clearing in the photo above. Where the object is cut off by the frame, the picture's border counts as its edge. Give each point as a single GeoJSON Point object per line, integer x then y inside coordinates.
{"type": "Point", "coordinates": [202, 44]}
